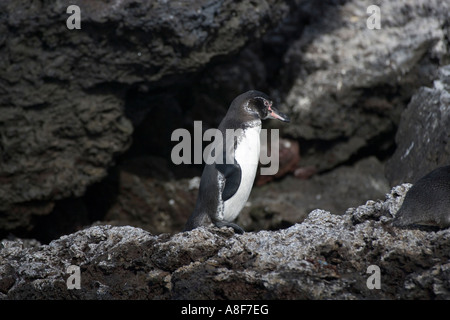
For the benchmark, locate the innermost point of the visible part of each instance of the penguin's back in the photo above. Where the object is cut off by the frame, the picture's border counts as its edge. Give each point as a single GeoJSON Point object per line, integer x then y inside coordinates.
{"type": "Point", "coordinates": [208, 200]}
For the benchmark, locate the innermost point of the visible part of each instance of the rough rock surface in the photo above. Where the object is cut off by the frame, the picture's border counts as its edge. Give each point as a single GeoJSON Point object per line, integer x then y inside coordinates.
{"type": "Point", "coordinates": [63, 92]}
{"type": "Point", "coordinates": [350, 83]}
{"type": "Point", "coordinates": [56, 150]}
{"type": "Point", "coordinates": [423, 135]}
{"type": "Point", "coordinates": [325, 257]}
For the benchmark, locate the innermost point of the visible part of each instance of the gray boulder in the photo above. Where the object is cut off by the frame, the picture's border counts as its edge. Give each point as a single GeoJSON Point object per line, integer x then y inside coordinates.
{"type": "Point", "coordinates": [349, 84]}
{"type": "Point", "coordinates": [423, 135]}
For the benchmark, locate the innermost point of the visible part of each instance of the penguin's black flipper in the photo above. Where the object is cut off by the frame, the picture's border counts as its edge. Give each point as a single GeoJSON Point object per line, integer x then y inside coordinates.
{"type": "Point", "coordinates": [232, 174]}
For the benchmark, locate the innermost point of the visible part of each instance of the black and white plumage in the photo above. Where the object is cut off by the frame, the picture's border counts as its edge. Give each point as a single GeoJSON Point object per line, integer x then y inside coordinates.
{"type": "Point", "coordinates": [226, 186]}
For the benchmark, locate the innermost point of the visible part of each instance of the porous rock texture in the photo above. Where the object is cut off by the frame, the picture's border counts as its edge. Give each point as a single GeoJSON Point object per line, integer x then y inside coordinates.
{"type": "Point", "coordinates": [325, 257]}
{"type": "Point", "coordinates": [350, 83]}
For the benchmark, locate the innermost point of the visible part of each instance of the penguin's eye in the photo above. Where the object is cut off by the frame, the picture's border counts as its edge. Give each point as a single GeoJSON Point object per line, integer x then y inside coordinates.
{"type": "Point", "coordinates": [266, 103]}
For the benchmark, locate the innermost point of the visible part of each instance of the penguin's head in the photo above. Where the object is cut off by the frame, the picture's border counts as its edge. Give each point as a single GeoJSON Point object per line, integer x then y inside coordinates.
{"type": "Point", "coordinates": [259, 105]}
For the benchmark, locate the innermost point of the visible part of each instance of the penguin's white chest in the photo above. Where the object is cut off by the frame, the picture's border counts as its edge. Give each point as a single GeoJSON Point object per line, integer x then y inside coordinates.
{"type": "Point", "coordinates": [247, 156]}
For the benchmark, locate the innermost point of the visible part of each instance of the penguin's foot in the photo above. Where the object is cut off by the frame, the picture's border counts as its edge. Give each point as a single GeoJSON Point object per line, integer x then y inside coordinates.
{"type": "Point", "coordinates": [235, 227]}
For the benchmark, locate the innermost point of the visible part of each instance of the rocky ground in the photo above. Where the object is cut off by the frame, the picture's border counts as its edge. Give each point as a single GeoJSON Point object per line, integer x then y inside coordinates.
{"type": "Point", "coordinates": [327, 256]}
{"type": "Point", "coordinates": [86, 118]}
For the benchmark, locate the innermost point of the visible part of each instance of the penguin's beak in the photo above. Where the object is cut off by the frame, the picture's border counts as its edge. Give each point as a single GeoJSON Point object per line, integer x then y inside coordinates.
{"type": "Point", "coordinates": [275, 114]}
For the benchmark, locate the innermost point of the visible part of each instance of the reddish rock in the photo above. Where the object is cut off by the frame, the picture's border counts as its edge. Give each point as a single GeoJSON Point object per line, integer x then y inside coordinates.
{"type": "Point", "coordinates": [289, 157]}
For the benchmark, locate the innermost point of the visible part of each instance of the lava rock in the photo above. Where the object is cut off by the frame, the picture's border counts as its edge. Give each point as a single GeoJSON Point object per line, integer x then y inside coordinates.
{"type": "Point", "coordinates": [56, 150]}
{"type": "Point", "coordinates": [63, 92]}
{"type": "Point", "coordinates": [423, 135]}
{"type": "Point", "coordinates": [325, 257]}
{"type": "Point", "coordinates": [347, 84]}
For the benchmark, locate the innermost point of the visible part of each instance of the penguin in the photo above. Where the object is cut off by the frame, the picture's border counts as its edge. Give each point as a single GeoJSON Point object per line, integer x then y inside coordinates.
{"type": "Point", "coordinates": [427, 202]}
{"type": "Point", "coordinates": [226, 182]}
